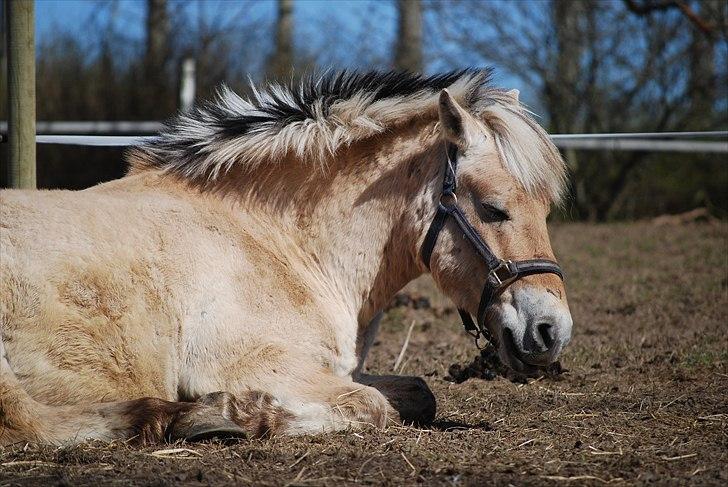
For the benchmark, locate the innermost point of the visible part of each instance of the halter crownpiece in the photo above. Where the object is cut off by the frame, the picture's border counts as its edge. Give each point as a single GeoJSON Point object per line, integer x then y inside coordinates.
{"type": "Point", "coordinates": [501, 273]}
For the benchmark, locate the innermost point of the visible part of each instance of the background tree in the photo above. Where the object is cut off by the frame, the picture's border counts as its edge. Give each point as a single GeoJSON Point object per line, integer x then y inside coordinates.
{"type": "Point", "coordinates": [408, 51]}
{"type": "Point", "coordinates": [156, 56]}
{"type": "Point", "coordinates": [599, 67]}
{"type": "Point", "coordinates": [3, 61]}
{"type": "Point", "coordinates": [281, 61]}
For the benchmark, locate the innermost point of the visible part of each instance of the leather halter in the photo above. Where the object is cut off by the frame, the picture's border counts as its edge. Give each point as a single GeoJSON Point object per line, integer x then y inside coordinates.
{"type": "Point", "coordinates": [501, 273]}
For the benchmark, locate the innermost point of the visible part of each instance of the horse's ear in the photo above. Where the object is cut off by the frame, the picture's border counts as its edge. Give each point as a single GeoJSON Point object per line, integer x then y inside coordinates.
{"type": "Point", "coordinates": [455, 122]}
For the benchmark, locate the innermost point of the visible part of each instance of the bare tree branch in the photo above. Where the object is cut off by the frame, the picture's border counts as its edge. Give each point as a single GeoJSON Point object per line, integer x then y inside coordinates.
{"type": "Point", "coordinates": [649, 6]}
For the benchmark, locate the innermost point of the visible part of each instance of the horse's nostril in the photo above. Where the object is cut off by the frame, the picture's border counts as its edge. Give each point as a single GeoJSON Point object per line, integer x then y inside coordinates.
{"type": "Point", "coordinates": [544, 330]}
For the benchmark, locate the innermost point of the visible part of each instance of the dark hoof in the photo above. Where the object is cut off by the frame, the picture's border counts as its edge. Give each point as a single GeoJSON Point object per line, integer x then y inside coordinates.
{"type": "Point", "coordinates": [233, 433]}
{"type": "Point", "coordinates": [421, 407]}
{"type": "Point", "coordinates": [411, 397]}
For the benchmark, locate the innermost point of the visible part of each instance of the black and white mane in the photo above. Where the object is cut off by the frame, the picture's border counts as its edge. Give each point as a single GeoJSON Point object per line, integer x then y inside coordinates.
{"type": "Point", "coordinates": [315, 118]}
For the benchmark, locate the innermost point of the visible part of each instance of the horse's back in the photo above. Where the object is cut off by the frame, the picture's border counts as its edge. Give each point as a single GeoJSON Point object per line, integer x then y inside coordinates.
{"type": "Point", "coordinates": [72, 222]}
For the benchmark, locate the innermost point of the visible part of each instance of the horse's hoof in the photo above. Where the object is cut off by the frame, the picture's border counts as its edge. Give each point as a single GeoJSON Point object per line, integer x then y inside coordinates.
{"type": "Point", "coordinates": [210, 417]}
{"type": "Point", "coordinates": [221, 433]}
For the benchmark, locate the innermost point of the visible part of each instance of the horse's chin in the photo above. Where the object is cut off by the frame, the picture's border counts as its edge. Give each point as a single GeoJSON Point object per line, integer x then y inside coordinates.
{"type": "Point", "coordinates": [506, 347]}
{"type": "Point", "coordinates": [509, 355]}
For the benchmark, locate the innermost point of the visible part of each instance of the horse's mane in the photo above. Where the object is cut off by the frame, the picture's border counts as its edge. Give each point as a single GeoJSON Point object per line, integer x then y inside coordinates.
{"type": "Point", "coordinates": [314, 119]}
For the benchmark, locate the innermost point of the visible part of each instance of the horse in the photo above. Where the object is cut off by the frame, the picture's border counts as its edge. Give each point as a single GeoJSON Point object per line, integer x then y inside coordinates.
{"type": "Point", "coordinates": [229, 285]}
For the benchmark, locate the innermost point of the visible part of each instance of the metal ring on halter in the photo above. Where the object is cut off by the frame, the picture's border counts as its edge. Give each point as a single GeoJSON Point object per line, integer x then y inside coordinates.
{"type": "Point", "coordinates": [449, 199]}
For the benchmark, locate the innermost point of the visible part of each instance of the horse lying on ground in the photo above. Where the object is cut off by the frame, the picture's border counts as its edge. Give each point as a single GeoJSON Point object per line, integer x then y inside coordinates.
{"type": "Point", "coordinates": [250, 248]}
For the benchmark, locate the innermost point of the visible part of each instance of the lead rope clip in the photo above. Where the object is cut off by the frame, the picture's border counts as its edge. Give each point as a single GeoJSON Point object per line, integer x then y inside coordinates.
{"type": "Point", "coordinates": [477, 335]}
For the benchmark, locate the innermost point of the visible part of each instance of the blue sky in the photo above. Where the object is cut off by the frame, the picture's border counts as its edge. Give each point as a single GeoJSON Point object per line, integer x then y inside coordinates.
{"type": "Point", "coordinates": [370, 23]}
{"type": "Point", "coordinates": [73, 15]}
{"type": "Point", "coordinates": [70, 15]}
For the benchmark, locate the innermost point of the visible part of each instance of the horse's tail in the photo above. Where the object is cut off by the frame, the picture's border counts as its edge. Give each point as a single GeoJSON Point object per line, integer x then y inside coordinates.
{"type": "Point", "coordinates": [145, 420]}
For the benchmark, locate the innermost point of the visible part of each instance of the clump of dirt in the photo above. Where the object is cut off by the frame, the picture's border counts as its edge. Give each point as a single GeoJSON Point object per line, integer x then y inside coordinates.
{"type": "Point", "coordinates": [487, 366]}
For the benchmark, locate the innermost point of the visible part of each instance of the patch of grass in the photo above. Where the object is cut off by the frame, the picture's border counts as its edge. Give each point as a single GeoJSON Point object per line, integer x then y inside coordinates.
{"type": "Point", "coordinates": [394, 319]}
{"type": "Point", "coordinates": [705, 358]}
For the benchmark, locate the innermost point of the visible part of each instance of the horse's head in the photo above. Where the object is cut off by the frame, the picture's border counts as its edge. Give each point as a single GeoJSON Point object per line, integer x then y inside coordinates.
{"type": "Point", "coordinates": [508, 174]}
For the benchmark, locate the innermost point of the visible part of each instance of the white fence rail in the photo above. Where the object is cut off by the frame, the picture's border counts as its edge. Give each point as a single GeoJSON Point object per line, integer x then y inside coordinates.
{"type": "Point", "coordinates": [130, 133]}
{"type": "Point", "coordinates": [650, 145]}
{"type": "Point", "coordinates": [120, 127]}
{"type": "Point", "coordinates": [93, 140]}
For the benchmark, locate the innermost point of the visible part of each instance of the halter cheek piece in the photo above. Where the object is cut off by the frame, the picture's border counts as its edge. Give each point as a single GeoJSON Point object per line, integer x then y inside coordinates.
{"type": "Point", "coordinates": [501, 273]}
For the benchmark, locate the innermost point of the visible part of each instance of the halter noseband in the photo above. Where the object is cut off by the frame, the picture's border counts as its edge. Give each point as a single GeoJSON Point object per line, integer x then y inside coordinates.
{"type": "Point", "coordinates": [501, 273]}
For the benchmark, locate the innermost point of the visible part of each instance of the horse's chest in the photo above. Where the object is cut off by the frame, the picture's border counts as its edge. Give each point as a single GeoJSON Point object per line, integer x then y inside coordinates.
{"type": "Point", "coordinates": [252, 344]}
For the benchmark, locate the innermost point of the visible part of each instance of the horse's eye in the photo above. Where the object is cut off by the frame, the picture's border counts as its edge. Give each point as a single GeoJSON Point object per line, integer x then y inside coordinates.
{"type": "Point", "coordinates": [491, 214]}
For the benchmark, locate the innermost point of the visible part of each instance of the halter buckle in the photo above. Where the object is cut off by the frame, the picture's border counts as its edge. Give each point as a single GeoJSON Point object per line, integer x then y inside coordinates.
{"type": "Point", "coordinates": [503, 274]}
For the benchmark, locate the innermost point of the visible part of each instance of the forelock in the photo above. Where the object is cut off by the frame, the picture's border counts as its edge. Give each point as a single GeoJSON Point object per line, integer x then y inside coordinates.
{"type": "Point", "coordinates": [523, 145]}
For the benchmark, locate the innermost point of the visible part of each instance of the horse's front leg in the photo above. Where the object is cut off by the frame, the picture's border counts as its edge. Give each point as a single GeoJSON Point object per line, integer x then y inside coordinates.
{"type": "Point", "coordinates": [411, 397]}
{"type": "Point", "coordinates": [291, 395]}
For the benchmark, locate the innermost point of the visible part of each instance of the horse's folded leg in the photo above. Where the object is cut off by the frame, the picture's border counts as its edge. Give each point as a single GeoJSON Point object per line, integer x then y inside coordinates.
{"type": "Point", "coordinates": [224, 416]}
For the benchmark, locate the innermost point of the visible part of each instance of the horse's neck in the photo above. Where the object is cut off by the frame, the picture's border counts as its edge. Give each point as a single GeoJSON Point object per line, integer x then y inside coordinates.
{"type": "Point", "coordinates": [358, 226]}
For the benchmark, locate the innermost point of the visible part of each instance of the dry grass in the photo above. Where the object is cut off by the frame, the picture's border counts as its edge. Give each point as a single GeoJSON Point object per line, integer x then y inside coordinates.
{"type": "Point", "coordinates": [644, 400]}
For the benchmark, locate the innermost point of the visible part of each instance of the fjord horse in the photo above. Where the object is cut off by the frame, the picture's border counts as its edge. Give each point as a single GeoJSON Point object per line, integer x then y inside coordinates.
{"type": "Point", "coordinates": [229, 284]}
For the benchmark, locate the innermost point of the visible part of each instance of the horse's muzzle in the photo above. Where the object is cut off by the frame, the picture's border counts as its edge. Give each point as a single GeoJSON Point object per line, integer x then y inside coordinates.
{"type": "Point", "coordinates": [535, 328]}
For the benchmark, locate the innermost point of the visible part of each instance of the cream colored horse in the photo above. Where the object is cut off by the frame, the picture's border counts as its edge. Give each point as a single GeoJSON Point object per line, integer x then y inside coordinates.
{"type": "Point", "coordinates": [249, 250]}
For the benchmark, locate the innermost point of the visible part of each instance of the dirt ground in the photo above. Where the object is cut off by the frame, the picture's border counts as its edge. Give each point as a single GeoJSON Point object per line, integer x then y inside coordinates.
{"type": "Point", "coordinates": [643, 400]}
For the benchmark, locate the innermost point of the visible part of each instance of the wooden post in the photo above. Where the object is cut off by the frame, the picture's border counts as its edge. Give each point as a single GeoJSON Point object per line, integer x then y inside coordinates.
{"type": "Point", "coordinates": [21, 92]}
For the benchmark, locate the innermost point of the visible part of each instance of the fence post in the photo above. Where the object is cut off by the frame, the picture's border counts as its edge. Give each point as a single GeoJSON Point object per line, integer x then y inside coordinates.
{"type": "Point", "coordinates": [21, 93]}
{"type": "Point", "coordinates": [187, 85]}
